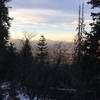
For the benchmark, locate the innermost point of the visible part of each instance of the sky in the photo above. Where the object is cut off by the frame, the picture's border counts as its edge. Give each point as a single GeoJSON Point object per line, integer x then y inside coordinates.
{"type": "Point", "coordinates": [56, 19]}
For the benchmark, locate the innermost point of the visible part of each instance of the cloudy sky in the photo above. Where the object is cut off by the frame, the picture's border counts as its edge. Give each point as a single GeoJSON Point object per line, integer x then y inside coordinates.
{"type": "Point", "coordinates": [56, 19]}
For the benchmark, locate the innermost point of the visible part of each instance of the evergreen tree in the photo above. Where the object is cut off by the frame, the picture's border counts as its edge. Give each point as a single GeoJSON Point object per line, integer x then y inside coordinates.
{"type": "Point", "coordinates": [91, 46]}
{"type": "Point", "coordinates": [90, 64]}
{"type": "Point", "coordinates": [93, 38]}
{"type": "Point", "coordinates": [26, 63]}
{"type": "Point", "coordinates": [95, 3]}
{"type": "Point", "coordinates": [10, 63]}
{"type": "Point", "coordinates": [4, 33]}
{"type": "Point", "coordinates": [4, 23]}
{"type": "Point", "coordinates": [42, 51]}
{"type": "Point", "coordinates": [42, 64]}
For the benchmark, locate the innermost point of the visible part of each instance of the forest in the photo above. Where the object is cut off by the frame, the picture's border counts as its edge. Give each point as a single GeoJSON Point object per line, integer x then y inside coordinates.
{"type": "Point", "coordinates": [46, 74]}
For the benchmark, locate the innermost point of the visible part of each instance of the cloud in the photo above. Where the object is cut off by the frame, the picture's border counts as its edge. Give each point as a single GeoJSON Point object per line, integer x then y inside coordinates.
{"type": "Point", "coordinates": [46, 18]}
{"type": "Point", "coordinates": [33, 0]}
{"type": "Point", "coordinates": [29, 20]}
{"type": "Point", "coordinates": [22, 16]}
{"type": "Point", "coordinates": [38, 11]}
{"type": "Point", "coordinates": [36, 16]}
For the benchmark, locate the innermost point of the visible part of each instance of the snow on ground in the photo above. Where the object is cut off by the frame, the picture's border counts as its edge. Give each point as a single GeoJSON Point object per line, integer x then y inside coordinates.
{"type": "Point", "coordinates": [5, 88]}
{"type": "Point", "coordinates": [22, 97]}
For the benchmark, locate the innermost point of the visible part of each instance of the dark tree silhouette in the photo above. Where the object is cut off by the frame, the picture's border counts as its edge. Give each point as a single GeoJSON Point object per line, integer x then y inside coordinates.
{"type": "Point", "coordinates": [60, 54]}
{"type": "Point", "coordinates": [4, 22]}
{"type": "Point", "coordinates": [78, 53]}
{"type": "Point", "coordinates": [26, 63]}
{"type": "Point", "coordinates": [42, 51]}
{"type": "Point", "coordinates": [95, 3]}
{"type": "Point", "coordinates": [4, 33]}
{"type": "Point", "coordinates": [90, 63]}
{"type": "Point", "coordinates": [42, 63]}
{"type": "Point", "coordinates": [10, 62]}
{"type": "Point", "coordinates": [60, 73]}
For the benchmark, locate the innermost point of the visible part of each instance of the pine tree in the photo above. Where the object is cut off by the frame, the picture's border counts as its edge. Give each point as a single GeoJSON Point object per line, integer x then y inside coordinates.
{"type": "Point", "coordinates": [95, 3]}
{"type": "Point", "coordinates": [10, 63]}
{"type": "Point", "coordinates": [4, 23]}
{"type": "Point", "coordinates": [93, 42]}
{"type": "Point", "coordinates": [26, 61]}
{"type": "Point", "coordinates": [90, 64]}
{"type": "Point", "coordinates": [42, 64]}
{"type": "Point", "coordinates": [42, 51]}
{"type": "Point", "coordinates": [4, 33]}
{"type": "Point", "coordinates": [91, 47]}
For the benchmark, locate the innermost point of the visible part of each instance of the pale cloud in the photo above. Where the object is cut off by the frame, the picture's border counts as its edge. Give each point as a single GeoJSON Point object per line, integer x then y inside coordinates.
{"type": "Point", "coordinates": [22, 16]}
{"type": "Point", "coordinates": [33, 0]}
{"type": "Point", "coordinates": [48, 12]}
{"type": "Point", "coordinates": [29, 20]}
{"type": "Point", "coordinates": [37, 16]}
